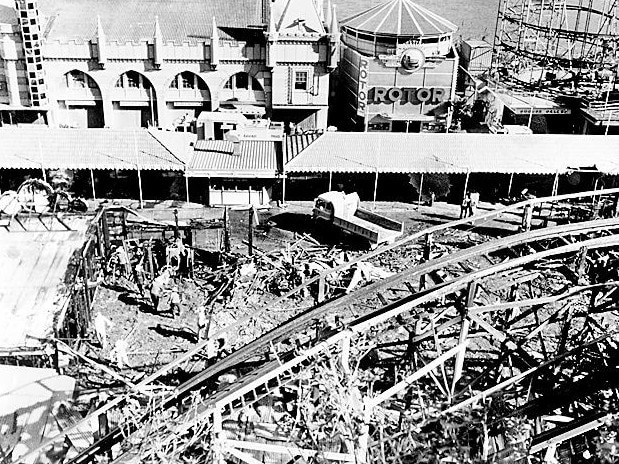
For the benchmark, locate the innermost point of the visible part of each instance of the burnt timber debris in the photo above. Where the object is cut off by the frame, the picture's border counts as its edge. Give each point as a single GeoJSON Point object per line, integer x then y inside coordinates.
{"type": "Point", "coordinates": [444, 346]}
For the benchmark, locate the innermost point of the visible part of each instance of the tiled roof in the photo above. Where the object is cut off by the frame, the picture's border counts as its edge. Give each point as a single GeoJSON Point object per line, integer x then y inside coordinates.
{"type": "Point", "coordinates": [456, 153]}
{"type": "Point", "coordinates": [134, 20]}
{"type": "Point", "coordinates": [36, 147]}
{"type": "Point", "coordinates": [399, 17]}
{"type": "Point", "coordinates": [216, 158]}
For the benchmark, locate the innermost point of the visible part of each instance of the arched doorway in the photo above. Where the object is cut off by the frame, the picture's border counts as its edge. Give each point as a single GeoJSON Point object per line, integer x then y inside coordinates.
{"type": "Point", "coordinates": [242, 93]}
{"type": "Point", "coordinates": [79, 101]}
{"type": "Point", "coordinates": [134, 101]}
{"type": "Point", "coordinates": [186, 96]}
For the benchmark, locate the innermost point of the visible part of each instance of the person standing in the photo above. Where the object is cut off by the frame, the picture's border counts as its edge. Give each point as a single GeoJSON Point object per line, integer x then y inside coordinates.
{"type": "Point", "coordinates": [202, 322]}
{"type": "Point", "coordinates": [120, 353]}
{"type": "Point", "coordinates": [465, 205]}
{"type": "Point", "coordinates": [473, 203]}
{"type": "Point", "coordinates": [175, 301]}
{"type": "Point", "coordinates": [101, 324]}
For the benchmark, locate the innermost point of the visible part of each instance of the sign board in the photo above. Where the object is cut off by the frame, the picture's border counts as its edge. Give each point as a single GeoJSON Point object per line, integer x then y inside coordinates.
{"type": "Point", "coordinates": [362, 90]}
{"type": "Point", "coordinates": [542, 111]}
{"type": "Point", "coordinates": [414, 95]}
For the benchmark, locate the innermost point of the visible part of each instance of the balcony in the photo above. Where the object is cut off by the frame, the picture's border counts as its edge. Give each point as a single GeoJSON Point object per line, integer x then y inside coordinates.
{"type": "Point", "coordinates": [187, 95]}
{"type": "Point", "coordinates": [79, 94]}
{"type": "Point", "coordinates": [242, 95]}
{"type": "Point", "coordinates": [132, 94]}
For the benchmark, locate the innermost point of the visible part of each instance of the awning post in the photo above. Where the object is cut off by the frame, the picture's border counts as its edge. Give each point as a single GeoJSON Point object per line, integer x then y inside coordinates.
{"type": "Point", "coordinates": [466, 181]}
{"type": "Point", "coordinates": [555, 184]}
{"type": "Point", "coordinates": [330, 179]}
{"type": "Point", "coordinates": [92, 184]}
{"type": "Point", "coordinates": [186, 187]}
{"type": "Point", "coordinates": [509, 187]}
{"type": "Point", "coordinates": [284, 189]}
{"type": "Point", "coordinates": [375, 188]}
{"type": "Point", "coordinates": [420, 190]}
{"type": "Point", "coordinates": [140, 187]}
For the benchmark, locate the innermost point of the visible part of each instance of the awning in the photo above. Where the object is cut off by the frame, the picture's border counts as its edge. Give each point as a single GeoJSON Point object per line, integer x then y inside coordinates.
{"type": "Point", "coordinates": [40, 147]}
{"type": "Point", "coordinates": [528, 104]}
{"type": "Point", "coordinates": [455, 153]}
{"type": "Point", "coordinates": [245, 159]}
{"type": "Point", "coordinates": [410, 117]}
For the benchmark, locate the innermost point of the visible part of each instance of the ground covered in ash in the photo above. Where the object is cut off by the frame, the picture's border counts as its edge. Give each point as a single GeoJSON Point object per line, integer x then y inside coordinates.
{"type": "Point", "coordinates": [286, 242]}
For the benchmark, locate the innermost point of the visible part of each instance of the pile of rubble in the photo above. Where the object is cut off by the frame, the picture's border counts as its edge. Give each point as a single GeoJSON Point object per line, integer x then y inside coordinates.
{"type": "Point", "coordinates": [244, 285]}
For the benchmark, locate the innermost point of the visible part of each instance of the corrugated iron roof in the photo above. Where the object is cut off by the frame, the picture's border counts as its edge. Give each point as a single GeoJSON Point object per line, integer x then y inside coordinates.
{"type": "Point", "coordinates": [32, 290]}
{"type": "Point", "coordinates": [134, 20]}
{"type": "Point", "coordinates": [456, 153]}
{"type": "Point", "coordinates": [43, 147]}
{"type": "Point", "coordinates": [296, 143]}
{"type": "Point", "coordinates": [400, 18]}
{"type": "Point", "coordinates": [216, 158]}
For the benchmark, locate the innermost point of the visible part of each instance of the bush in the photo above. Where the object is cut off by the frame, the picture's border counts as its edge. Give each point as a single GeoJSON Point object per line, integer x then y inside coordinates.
{"type": "Point", "coordinates": [439, 184]}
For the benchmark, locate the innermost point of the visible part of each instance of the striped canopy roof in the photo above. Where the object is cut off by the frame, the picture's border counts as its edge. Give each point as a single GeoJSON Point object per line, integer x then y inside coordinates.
{"type": "Point", "coordinates": [401, 18]}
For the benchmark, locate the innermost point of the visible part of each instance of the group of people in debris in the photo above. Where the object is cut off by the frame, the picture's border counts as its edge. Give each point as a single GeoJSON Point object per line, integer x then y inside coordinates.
{"type": "Point", "coordinates": [164, 287]}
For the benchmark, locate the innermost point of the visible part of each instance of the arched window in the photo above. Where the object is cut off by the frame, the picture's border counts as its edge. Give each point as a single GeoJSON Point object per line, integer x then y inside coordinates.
{"type": "Point", "coordinates": [188, 80]}
{"type": "Point", "coordinates": [79, 80]}
{"type": "Point", "coordinates": [242, 81]}
{"type": "Point", "coordinates": [133, 80]}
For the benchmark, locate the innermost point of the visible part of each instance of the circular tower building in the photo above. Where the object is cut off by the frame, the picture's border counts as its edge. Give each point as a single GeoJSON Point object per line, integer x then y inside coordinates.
{"type": "Point", "coordinates": [398, 68]}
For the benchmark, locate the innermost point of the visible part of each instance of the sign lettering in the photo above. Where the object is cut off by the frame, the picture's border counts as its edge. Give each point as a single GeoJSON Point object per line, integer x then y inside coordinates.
{"type": "Point", "coordinates": [405, 95]}
{"type": "Point", "coordinates": [362, 90]}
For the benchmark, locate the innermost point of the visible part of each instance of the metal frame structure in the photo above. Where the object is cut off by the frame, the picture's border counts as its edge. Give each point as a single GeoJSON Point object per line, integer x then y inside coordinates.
{"type": "Point", "coordinates": [571, 45]}
{"type": "Point", "coordinates": [447, 306]}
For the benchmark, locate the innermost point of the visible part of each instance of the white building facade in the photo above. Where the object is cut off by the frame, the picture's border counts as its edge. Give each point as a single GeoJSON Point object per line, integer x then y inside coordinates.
{"type": "Point", "coordinates": [127, 63]}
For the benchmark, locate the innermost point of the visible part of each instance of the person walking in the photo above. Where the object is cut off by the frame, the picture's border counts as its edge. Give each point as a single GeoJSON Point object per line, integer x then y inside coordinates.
{"type": "Point", "coordinates": [101, 324]}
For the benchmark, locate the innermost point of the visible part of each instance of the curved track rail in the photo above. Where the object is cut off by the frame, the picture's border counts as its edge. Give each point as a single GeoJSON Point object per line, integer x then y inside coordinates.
{"type": "Point", "coordinates": [276, 373]}
{"type": "Point", "coordinates": [272, 374]}
{"type": "Point", "coordinates": [541, 238]}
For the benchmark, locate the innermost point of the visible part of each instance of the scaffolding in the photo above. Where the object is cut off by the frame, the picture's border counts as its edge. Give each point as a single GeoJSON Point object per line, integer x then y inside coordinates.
{"type": "Point", "coordinates": [563, 46]}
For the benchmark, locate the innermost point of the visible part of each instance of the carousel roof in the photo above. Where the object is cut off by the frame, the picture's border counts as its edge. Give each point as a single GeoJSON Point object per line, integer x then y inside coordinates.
{"type": "Point", "coordinates": [399, 17]}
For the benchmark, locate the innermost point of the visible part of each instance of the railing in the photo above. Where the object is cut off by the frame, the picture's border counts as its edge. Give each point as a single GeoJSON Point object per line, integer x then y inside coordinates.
{"type": "Point", "coordinates": [132, 94]}
{"type": "Point", "coordinates": [188, 95]}
{"type": "Point", "coordinates": [85, 93]}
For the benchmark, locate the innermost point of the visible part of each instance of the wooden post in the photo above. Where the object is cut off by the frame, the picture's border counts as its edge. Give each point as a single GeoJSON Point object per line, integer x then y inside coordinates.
{"type": "Point", "coordinates": [375, 188]}
{"type": "Point", "coordinates": [555, 185]}
{"type": "Point", "coordinates": [284, 189]}
{"type": "Point", "coordinates": [186, 188]}
{"type": "Point", "coordinates": [92, 184]}
{"type": "Point", "coordinates": [345, 358]}
{"type": "Point", "coordinates": [509, 187]}
{"type": "Point", "coordinates": [427, 253]}
{"type": "Point", "coordinates": [218, 455]}
{"type": "Point", "coordinates": [250, 231]}
{"type": "Point", "coordinates": [321, 289]}
{"type": "Point", "coordinates": [226, 231]}
{"type": "Point", "coordinates": [330, 179]}
{"type": "Point", "coordinates": [420, 190]}
{"type": "Point", "coordinates": [464, 333]}
{"type": "Point", "coordinates": [466, 182]}
{"type": "Point", "coordinates": [140, 187]}
{"type": "Point", "coordinates": [137, 164]}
